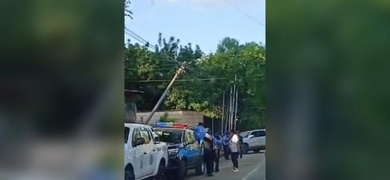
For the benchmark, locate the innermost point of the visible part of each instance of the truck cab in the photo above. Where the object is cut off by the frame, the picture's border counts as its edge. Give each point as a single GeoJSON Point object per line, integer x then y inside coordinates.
{"type": "Point", "coordinates": [184, 152]}
{"type": "Point", "coordinates": [145, 156]}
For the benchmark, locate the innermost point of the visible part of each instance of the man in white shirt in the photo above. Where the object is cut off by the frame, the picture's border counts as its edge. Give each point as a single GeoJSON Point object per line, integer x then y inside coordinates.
{"type": "Point", "coordinates": [234, 149]}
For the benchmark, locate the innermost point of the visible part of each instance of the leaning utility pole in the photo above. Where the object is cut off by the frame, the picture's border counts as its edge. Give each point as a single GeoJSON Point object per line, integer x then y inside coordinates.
{"type": "Point", "coordinates": [180, 70]}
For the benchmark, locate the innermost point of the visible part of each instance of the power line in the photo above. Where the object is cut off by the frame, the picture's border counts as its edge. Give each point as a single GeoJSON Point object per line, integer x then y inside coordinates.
{"type": "Point", "coordinates": [140, 39]}
{"type": "Point", "coordinates": [145, 43]}
{"type": "Point", "coordinates": [187, 80]}
{"type": "Point", "coordinates": [246, 14]}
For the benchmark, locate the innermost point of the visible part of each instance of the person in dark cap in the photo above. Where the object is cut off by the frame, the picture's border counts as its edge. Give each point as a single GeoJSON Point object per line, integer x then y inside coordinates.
{"type": "Point", "coordinates": [200, 132]}
{"type": "Point", "coordinates": [225, 143]}
{"type": "Point", "coordinates": [209, 155]}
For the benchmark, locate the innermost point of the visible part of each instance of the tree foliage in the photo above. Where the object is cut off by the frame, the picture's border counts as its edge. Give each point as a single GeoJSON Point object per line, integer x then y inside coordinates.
{"type": "Point", "coordinates": [206, 77]}
{"type": "Point", "coordinates": [128, 12]}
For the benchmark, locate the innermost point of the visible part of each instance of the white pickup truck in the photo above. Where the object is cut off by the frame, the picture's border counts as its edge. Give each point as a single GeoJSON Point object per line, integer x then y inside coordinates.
{"type": "Point", "coordinates": [145, 156]}
{"type": "Point", "coordinates": [253, 140]}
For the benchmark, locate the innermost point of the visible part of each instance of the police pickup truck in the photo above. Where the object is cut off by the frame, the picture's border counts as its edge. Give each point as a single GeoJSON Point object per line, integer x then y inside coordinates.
{"type": "Point", "coordinates": [145, 156]}
{"type": "Point", "coordinates": [183, 150]}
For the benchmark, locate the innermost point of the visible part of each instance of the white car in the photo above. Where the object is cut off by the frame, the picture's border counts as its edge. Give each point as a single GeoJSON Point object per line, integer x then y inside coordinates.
{"type": "Point", "coordinates": [253, 140]}
{"type": "Point", "coordinates": [145, 156]}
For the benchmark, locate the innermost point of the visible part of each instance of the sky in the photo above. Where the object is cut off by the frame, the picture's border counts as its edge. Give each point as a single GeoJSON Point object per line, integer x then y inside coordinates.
{"type": "Point", "coordinates": [201, 22]}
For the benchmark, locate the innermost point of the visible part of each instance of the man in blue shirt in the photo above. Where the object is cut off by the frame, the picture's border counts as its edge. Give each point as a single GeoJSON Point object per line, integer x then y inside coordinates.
{"type": "Point", "coordinates": [200, 133]}
{"type": "Point", "coordinates": [225, 143]}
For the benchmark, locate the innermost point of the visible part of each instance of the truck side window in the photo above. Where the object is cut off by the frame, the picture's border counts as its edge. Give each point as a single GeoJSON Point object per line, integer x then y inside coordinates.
{"type": "Point", "coordinates": [258, 133]}
{"type": "Point", "coordinates": [189, 137]}
{"type": "Point", "coordinates": [136, 134]}
{"type": "Point", "coordinates": [146, 135]}
{"type": "Point", "coordinates": [127, 131]}
{"type": "Point", "coordinates": [262, 133]}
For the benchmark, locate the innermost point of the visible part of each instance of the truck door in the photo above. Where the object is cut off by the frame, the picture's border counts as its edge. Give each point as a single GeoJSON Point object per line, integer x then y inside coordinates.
{"type": "Point", "coordinates": [194, 155]}
{"type": "Point", "coordinates": [147, 151]}
{"type": "Point", "coordinates": [137, 165]}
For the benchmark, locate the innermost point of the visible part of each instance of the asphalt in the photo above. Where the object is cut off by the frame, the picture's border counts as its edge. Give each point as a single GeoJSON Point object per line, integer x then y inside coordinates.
{"type": "Point", "coordinates": [251, 167]}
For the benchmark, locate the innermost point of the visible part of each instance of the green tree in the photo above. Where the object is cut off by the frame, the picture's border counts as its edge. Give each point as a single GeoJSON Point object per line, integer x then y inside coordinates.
{"type": "Point", "coordinates": [128, 12]}
{"type": "Point", "coordinates": [246, 61]}
{"type": "Point", "coordinates": [147, 62]}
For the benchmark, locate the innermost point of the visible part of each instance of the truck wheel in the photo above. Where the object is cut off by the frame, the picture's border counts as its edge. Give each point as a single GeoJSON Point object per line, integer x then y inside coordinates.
{"type": "Point", "coordinates": [161, 172]}
{"type": "Point", "coordinates": [256, 150]}
{"type": "Point", "coordinates": [199, 170]}
{"type": "Point", "coordinates": [245, 148]}
{"type": "Point", "coordinates": [182, 170]}
{"type": "Point", "coordinates": [129, 174]}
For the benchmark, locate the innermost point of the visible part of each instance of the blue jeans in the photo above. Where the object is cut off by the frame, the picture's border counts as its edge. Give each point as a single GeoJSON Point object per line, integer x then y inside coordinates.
{"type": "Point", "coordinates": [234, 156]}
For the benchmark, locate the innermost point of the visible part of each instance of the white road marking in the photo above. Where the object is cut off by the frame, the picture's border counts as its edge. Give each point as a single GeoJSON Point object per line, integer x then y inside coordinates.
{"type": "Point", "coordinates": [254, 170]}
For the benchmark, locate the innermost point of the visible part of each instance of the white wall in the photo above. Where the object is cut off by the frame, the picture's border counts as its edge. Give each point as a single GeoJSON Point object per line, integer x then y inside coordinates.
{"type": "Point", "coordinates": [190, 117]}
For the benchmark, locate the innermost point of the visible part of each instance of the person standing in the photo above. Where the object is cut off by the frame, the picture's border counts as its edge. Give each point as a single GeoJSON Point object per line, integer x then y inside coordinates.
{"type": "Point", "coordinates": [225, 142]}
{"type": "Point", "coordinates": [209, 155]}
{"type": "Point", "coordinates": [234, 149]}
{"type": "Point", "coordinates": [217, 146]}
{"type": "Point", "coordinates": [200, 133]}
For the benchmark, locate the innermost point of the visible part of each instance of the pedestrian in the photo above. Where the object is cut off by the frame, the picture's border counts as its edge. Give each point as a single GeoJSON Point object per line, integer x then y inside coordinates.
{"type": "Point", "coordinates": [208, 155]}
{"type": "Point", "coordinates": [200, 133]}
{"type": "Point", "coordinates": [217, 146]}
{"type": "Point", "coordinates": [240, 142]}
{"type": "Point", "coordinates": [225, 142]}
{"type": "Point", "coordinates": [234, 149]}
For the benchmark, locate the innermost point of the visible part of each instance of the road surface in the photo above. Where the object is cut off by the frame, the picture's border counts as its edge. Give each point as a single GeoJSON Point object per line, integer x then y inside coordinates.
{"type": "Point", "coordinates": [251, 167]}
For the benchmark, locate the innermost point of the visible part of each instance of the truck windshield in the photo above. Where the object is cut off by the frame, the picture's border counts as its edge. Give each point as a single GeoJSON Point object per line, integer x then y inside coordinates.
{"type": "Point", "coordinates": [127, 130]}
{"type": "Point", "coordinates": [170, 136]}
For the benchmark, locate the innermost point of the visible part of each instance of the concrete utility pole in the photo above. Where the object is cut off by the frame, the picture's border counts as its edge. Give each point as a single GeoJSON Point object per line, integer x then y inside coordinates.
{"type": "Point", "coordinates": [235, 110]}
{"type": "Point", "coordinates": [230, 109]}
{"type": "Point", "coordinates": [178, 72]}
{"type": "Point", "coordinates": [233, 115]}
{"type": "Point", "coordinates": [223, 112]}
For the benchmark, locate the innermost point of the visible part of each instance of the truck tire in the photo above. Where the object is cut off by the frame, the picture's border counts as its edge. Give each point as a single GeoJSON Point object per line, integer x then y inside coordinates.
{"type": "Point", "coordinates": [129, 174]}
{"type": "Point", "coordinates": [199, 170]}
{"type": "Point", "coordinates": [256, 150]}
{"type": "Point", "coordinates": [245, 148]}
{"type": "Point", "coordinates": [182, 171]}
{"type": "Point", "coordinates": [161, 172]}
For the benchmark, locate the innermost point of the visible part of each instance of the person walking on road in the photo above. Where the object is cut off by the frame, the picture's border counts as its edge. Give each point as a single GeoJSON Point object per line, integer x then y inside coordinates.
{"type": "Point", "coordinates": [240, 142]}
{"type": "Point", "coordinates": [225, 142]}
{"type": "Point", "coordinates": [217, 146]}
{"type": "Point", "coordinates": [209, 155]}
{"type": "Point", "coordinates": [234, 149]}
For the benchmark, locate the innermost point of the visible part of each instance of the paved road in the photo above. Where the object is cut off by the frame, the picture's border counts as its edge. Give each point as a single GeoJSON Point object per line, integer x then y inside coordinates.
{"type": "Point", "coordinates": [251, 167]}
